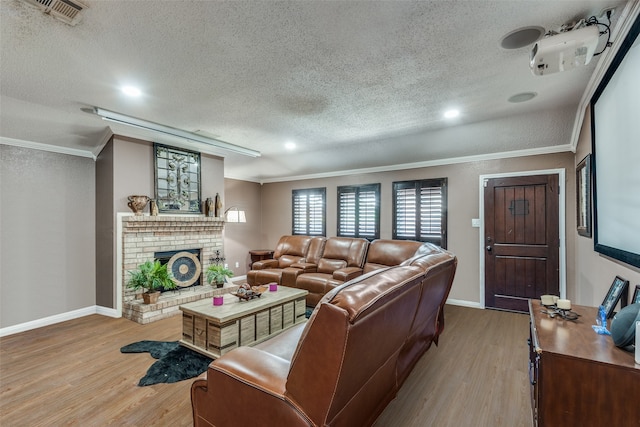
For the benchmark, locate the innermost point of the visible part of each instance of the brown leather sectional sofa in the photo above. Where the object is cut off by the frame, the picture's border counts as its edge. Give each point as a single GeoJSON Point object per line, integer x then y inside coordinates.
{"type": "Point", "coordinates": [320, 264]}
{"type": "Point", "coordinates": [345, 364]}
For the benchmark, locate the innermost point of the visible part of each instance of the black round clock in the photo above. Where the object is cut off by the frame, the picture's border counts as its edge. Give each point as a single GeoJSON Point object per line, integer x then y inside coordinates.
{"type": "Point", "coordinates": [185, 268]}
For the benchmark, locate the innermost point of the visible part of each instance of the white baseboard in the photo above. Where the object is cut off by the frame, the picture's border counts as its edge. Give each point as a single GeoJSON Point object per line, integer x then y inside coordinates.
{"type": "Point", "coordinates": [464, 303]}
{"type": "Point", "coordinates": [57, 318]}
{"type": "Point", "coordinates": [109, 312]}
{"type": "Point", "coordinates": [112, 312]}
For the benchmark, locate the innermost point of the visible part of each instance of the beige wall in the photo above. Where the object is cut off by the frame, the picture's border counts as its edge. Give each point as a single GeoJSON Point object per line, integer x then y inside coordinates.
{"type": "Point", "coordinates": [134, 172]}
{"type": "Point", "coordinates": [596, 272]}
{"type": "Point", "coordinates": [47, 234]}
{"type": "Point", "coordinates": [105, 233]}
{"type": "Point", "coordinates": [463, 205]}
{"type": "Point", "coordinates": [239, 238]}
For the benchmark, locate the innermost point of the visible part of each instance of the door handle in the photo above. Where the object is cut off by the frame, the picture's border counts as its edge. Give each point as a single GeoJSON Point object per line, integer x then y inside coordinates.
{"type": "Point", "coordinates": [489, 248]}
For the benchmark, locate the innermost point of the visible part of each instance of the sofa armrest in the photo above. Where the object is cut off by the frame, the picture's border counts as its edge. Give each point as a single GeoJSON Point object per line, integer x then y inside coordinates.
{"type": "Point", "coordinates": [306, 267]}
{"type": "Point", "coordinates": [290, 274]}
{"type": "Point", "coordinates": [346, 274]}
{"type": "Point", "coordinates": [264, 264]}
{"type": "Point", "coordinates": [245, 387]}
{"type": "Point", "coordinates": [253, 366]}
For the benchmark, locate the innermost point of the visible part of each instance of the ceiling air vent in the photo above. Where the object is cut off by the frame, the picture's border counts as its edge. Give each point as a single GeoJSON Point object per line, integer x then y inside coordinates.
{"type": "Point", "coordinates": [65, 10]}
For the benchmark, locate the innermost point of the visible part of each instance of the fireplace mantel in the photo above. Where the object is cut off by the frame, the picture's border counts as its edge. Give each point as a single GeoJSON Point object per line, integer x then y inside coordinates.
{"type": "Point", "coordinates": [173, 223]}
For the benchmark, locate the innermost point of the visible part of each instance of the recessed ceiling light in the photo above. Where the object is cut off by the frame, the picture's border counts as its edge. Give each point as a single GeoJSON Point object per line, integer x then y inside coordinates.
{"type": "Point", "coordinates": [521, 37]}
{"type": "Point", "coordinates": [450, 114]}
{"type": "Point", "coordinates": [290, 146]}
{"type": "Point", "coordinates": [131, 91]}
{"type": "Point", "coordinates": [522, 97]}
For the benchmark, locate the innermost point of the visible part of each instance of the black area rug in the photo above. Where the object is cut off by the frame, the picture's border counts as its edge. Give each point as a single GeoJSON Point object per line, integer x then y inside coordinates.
{"type": "Point", "coordinates": [175, 362]}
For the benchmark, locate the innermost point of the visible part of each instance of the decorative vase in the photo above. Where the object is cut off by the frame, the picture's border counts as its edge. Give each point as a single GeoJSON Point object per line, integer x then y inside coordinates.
{"type": "Point", "coordinates": [151, 297]}
{"type": "Point", "coordinates": [153, 208]}
{"type": "Point", "coordinates": [218, 206]}
{"type": "Point", "coordinates": [138, 203]}
{"type": "Point", "coordinates": [208, 207]}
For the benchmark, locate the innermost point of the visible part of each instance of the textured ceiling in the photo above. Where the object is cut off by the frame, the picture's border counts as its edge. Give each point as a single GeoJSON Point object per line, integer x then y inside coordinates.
{"type": "Point", "coordinates": [355, 84]}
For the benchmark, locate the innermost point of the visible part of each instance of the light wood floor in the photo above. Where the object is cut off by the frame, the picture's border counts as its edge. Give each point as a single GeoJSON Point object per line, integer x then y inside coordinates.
{"type": "Point", "coordinates": [73, 374]}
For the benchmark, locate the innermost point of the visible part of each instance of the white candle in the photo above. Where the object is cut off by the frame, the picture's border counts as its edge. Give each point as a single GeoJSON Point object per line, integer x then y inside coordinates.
{"type": "Point", "coordinates": [564, 304]}
{"type": "Point", "coordinates": [546, 299]}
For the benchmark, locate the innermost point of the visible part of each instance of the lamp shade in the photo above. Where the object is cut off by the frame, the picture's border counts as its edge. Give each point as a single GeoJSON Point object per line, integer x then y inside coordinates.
{"type": "Point", "coordinates": [235, 215]}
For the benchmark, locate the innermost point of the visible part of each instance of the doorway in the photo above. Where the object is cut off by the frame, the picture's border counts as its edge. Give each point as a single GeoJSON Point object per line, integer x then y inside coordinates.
{"type": "Point", "coordinates": [521, 252]}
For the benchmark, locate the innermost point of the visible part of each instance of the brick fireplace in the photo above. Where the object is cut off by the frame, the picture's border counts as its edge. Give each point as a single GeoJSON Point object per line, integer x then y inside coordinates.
{"type": "Point", "coordinates": [145, 236]}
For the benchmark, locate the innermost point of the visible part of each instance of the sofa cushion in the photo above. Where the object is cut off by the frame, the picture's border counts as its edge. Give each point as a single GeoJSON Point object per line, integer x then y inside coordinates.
{"type": "Point", "coordinates": [350, 251]}
{"type": "Point", "coordinates": [387, 253]}
{"type": "Point", "coordinates": [291, 249]}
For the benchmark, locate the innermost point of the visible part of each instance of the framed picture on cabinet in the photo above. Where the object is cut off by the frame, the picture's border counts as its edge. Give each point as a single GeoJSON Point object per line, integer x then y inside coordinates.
{"type": "Point", "coordinates": [583, 192]}
{"type": "Point", "coordinates": [617, 292]}
{"type": "Point", "coordinates": [636, 296]}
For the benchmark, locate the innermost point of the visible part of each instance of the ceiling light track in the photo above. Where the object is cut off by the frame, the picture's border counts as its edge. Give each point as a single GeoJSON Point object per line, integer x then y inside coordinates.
{"type": "Point", "coordinates": [168, 130]}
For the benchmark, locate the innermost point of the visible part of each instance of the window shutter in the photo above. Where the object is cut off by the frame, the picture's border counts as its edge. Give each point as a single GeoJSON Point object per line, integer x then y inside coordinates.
{"type": "Point", "coordinates": [420, 210]}
{"type": "Point", "coordinates": [309, 212]}
{"type": "Point", "coordinates": [346, 213]}
{"type": "Point", "coordinates": [368, 218]}
{"type": "Point", "coordinates": [359, 211]}
{"type": "Point", "coordinates": [300, 213]}
{"type": "Point", "coordinates": [430, 214]}
{"type": "Point", "coordinates": [316, 214]}
{"type": "Point", "coordinates": [405, 213]}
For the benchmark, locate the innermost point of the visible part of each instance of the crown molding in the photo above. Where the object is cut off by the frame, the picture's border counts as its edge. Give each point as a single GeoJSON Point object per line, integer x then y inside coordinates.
{"type": "Point", "coordinates": [46, 147]}
{"type": "Point", "coordinates": [430, 163]}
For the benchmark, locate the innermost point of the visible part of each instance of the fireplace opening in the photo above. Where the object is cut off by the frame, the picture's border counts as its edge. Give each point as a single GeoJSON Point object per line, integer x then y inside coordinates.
{"type": "Point", "coordinates": [184, 265]}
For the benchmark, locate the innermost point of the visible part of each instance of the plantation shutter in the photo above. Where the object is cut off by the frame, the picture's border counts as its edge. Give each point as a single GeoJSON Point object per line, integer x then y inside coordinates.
{"type": "Point", "coordinates": [405, 211]}
{"type": "Point", "coordinates": [359, 211]}
{"type": "Point", "coordinates": [309, 212]}
{"type": "Point", "coordinates": [430, 215]}
{"type": "Point", "coordinates": [347, 213]}
{"type": "Point", "coordinates": [420, 211]}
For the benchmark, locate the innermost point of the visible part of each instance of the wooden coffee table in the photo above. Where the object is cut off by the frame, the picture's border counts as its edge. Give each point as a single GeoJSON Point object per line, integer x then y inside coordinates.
{"type": "Point", "coordinates": [216, 330]}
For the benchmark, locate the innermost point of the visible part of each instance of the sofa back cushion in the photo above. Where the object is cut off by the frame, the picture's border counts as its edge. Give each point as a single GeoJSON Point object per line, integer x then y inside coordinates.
{"type": "Point", "coordinates": [386, 253]}
{"type": "Point", "coordinates": [342, 372]}
{"type": "Point", "coordinates": [316, 247]}
{"type": "Point", "coordinates": [341, 252]}
{"type": "Point", "coordinates": [291, 249]}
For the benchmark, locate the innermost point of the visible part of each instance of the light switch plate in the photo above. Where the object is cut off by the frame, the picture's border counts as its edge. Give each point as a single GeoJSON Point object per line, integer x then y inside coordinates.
{"type": "Point", "coordinates": [475, 222]}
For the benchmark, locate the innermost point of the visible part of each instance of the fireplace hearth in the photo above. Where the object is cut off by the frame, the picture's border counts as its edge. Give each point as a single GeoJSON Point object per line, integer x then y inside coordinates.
{"type": "Point", "coordinates": [189, 242]}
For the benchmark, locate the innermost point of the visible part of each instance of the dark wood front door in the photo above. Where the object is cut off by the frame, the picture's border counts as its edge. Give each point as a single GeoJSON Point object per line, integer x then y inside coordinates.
{"type": "Point", "coordinates": [521, 240]}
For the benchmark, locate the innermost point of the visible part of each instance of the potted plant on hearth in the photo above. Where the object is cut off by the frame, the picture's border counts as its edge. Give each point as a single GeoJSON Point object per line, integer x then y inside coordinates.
{"type": "Point", "coordinates": [152, 276]}
{"type": "Point", "coordinates": [217, 273]}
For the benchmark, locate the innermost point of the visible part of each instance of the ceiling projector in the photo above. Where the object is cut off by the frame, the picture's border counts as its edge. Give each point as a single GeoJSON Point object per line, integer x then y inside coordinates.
{"type": "Point", "coordinates": [564, 51]}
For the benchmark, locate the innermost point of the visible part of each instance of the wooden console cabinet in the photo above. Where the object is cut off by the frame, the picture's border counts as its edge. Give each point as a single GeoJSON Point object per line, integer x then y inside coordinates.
{"type": "Point", "coordinates": [259, 255]}
{"type": "Point", "coordinates": [580, 378]}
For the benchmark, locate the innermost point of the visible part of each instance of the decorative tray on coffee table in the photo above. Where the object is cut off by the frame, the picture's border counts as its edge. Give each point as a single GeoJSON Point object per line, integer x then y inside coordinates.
{"type": "Point", "coordinates": [246, 292]}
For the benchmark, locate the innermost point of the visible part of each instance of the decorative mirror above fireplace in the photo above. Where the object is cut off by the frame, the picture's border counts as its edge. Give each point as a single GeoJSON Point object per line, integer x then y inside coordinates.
{"type": "Point", "coordinates": [177, 179]}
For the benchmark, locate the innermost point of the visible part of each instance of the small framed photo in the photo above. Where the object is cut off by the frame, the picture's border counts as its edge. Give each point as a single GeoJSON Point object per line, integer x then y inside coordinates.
{"type": "Point", "coordinates": [617, 292]}
{"type": "Point", "coordinates": [583, 201]}
{"type": "Point", "coordinates": [636, 295]}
